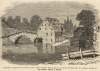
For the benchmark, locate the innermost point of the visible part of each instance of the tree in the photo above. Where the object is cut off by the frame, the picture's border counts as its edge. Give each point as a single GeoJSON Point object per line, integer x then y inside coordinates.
{"type": "Point", "coordinates": [17, 20]}
{"type": "Point", "coordinates": [25, 21]}
{"type": "Point", "coordinates": [35, 21]}
{"type": "Point", "coordinates": [3, 21]}
{"type": "Point", "coordinates": [52, 20]}
{"type": "Point", "coordinates": [86, 18]}
{"type": "Point", "coordinates": [68, 26]}
{"type": "Point", "coordinates": [10, 21]}
{"type": "Point", "coordinates": [87, 21]}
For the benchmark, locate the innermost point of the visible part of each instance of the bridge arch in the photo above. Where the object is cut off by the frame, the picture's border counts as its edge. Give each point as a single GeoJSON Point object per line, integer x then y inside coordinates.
{"type": "Point", "coordinates": [23, 39]}
{"type": "Point", "coordinates": [16, 37]}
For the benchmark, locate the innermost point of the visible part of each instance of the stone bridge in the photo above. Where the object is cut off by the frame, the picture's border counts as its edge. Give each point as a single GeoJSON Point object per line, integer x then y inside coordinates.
{"type": "Point", "coordinates": [32, 37]}
{"type": "Point", "coordinates": [15, 36]}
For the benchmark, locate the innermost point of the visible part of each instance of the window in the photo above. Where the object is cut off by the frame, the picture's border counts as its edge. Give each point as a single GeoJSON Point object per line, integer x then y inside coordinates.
{"type": "Point", "coordinates": [45, 29]}
{"type": "Point", "coordinates": [40, 28]}
{"type": "Point", "coordinates": [42, 24]}
{"type": "Point", "coordinates": [46, 45]}
{"type": "Point", "coordinates": [51, 34]}
{"type": "Point", "coordinates": [46, 39]}
{"type": "Point", "coordinates": [51, 40]}
{"type": "Point", "coordinates": [47, 34]}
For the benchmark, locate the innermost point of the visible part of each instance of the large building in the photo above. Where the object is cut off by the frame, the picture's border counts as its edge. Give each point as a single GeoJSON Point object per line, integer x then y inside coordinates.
{"type": "Point", "coordinates": [51, 33]}
{"type": "Point", "coordinates": [47, 33]}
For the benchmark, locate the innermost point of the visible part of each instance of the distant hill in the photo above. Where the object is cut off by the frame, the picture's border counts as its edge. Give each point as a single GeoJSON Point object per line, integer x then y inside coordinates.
{"type": "Point", "coordinates": [28, 16]}
{"type": "Point", "coordinates": [58, 10]}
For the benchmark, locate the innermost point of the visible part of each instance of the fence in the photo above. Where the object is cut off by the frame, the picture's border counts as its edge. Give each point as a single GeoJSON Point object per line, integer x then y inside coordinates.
{"type": "Point", "coordinates": [79, 54]}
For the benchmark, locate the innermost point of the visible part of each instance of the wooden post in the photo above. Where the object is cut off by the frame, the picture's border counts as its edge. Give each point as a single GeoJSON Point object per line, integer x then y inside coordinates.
{"type": "Point", "coordinates": [81, 53]}
{"type": "Point", "coordinates": [94, 54]}
{"type": "Point", "coordinates": [68, 53]}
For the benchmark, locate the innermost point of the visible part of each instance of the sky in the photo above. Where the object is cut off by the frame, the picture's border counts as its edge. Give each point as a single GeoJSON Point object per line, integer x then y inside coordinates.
{"type": "Point", "coordinates": [58, 10]}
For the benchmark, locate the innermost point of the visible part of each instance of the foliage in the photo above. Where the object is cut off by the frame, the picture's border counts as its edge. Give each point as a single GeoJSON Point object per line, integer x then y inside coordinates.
{"type": "Point", "coordinates": [35, 21]}
{"type": "Point", "coordinates": [68, 26]}
{"type": "Point", "coordinates": [20, 23]}
{"type": "Point", "coordinates": [87, 21]}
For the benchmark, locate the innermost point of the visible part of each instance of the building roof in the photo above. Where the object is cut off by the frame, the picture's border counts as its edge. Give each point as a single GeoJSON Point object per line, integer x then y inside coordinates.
{"type": "Point", "coordinates": [55, 25]}
{"type": "Point", "coordinates": [47, 23]}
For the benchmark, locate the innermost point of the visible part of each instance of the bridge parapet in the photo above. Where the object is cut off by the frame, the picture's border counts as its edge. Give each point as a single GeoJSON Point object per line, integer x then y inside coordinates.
{"type": "Point", "coordinates": [14, 37]}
